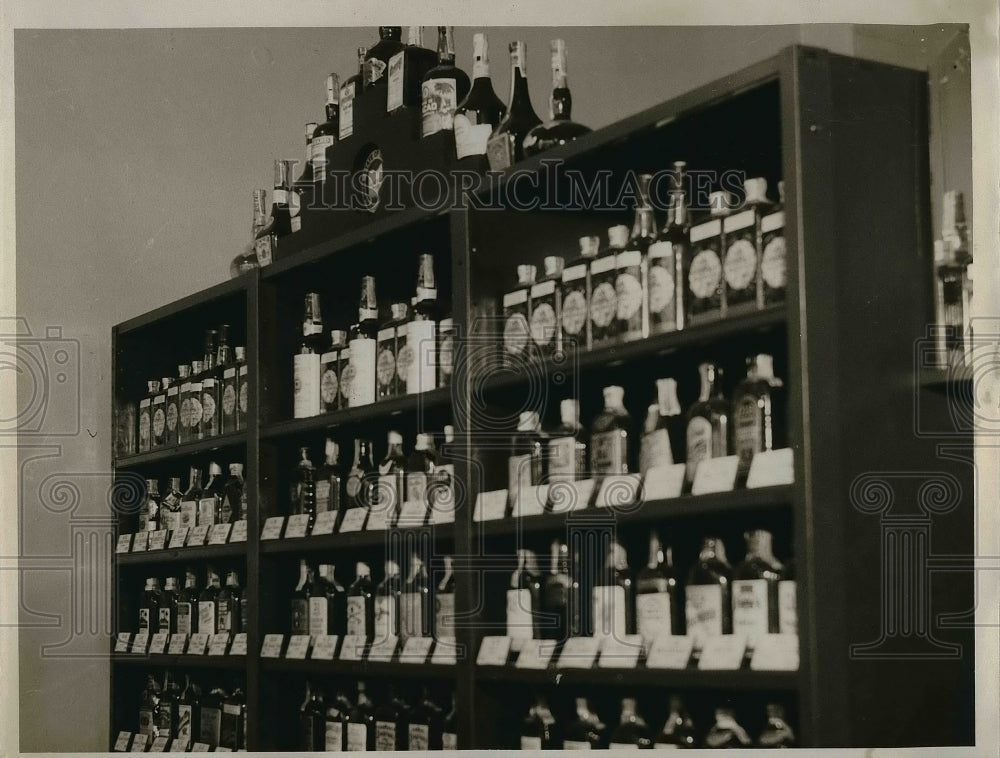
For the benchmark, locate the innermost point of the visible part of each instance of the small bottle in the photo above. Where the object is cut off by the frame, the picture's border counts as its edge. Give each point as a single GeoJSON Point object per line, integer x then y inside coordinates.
{"type": "Point", "coordinates": [516, 313]}
{"type": "Point", "coordinates": [361, 479]}
{"type": "Point", "coordinates": [614, 596]}
{"type": "Point", "coordinates": [663, 439]}
{"type": "Point", "coordinates": [360, 723]}
{"type": "Point", "coordinates": [300, 600]}
{"type": "Point", "coordinates": [668, 257]}
{"type": "Point", "coordinates": [378, 56]}
{"type": "Point", "coordinates": [331, 397]}
{"type": "Point", "coordinates": [444, 602]}
{"type": "Point", "coordinates": [576, 295]}
{"type": "Point", "coordinates": [361, 603]}
{"type": "Point", "coordinates": [506, 144]}
{"type": "Point", "coordinates": [359, 376]}
{"type": "Point", "coordinates": [704, 275]}
{"type": "Point", "coordinates": [538, 731]}
{"type": "Point", "coordinates": [415, 602]}
{"type": "Point", "coordinates": [555, 593]}
{"type": "Point", "coordinates": [757, 421]}
{"type": "Point", "coordinates": [187, 605]}
{"type": "Point", "coordinates": [611, 435]}
{"type": "Point", "coordinates": [567, 456]}
{"type": "Point", "coordinates": [350, 90]}
{"type": "Point", "coordinates": [707, 596]}
{"type": "Point", "coordinates": [406, 70]}
{"type": "Point", "coordinates": [304, 488]}
{"type": "Point", "coordinates": [631, 731]}
{"type": "Point", "coordinates": [306, 362]}
{"type": "Point", "coordinates": [146, 416]}
{"type": "Point", "coordinates": [243, 382]}
{"type": "Point", "coordinates": [325, 134]}
{"type": "Point", "coordinates": [678, 729]}
{"type": "Point", "coordinates": [604, 321]}
{"type": "Point", "coordinates": [657, 605]}
{"type": "Point", "coordinates": [167, 616]}
{"type": "Point", "coordinates": [479, 113]}
{"type": "Point", "coordinates": [189, 500]}
{"type": "Point", "coordinates": [170, 506]}
{"type": "Point", "coordinates": [329, 480]}
{"type": "Point", "coordinates": [312, 720]}
{"type": "Point", "coordinates": [788, 616]}
{"type": "Point", "coordinates": [755, 589]}
{"type": "Point", "coordinates": [776, 733]}
{"type": "Point", "coordinates": [211, 496]}
{"type": "Point", "coordinates": [246, 260]}
{"type": "Point", "coordinates": [442, 88]}
{"type": "Point", "coordinates": [158, 415]}
{"type": "Point", "coordinates": [173, 409]}
{"type": "Point", "coordinates": [149, 607]}
{"type": "Point", "coordinates": [232, 505]}
{"type": "Point", "coordinates": [261, 249]}
{"type": "Point", "coordinates": [390, 723]}
{"type": "Point", "coordinates": [208, 606]}
{"type": "Point", "coordinates": [426, 724]}
{"type": "Point", "coordinates": [524, 598]}
{"type": "Point", "coordinates": [327, 603]}
{"type": "Point", "coordinates": [773, 258]}
{"type": "Point", "coordinates": [228, 606]}
{"type": "Point", "coordinates": [726, 731]}
{"type": "Point", "coordinates": [420, 471]}
{"type": "Point", "coordinates": [546, 310]}
{"type": "Point", "coordinates": [561, 128]}
{"type": "Point", "coordinates": [188, 723]}
{"type": "Point", "coordinates": [587, 732]}
{"type": "Point", "coordinates": [387, 603]}
{"type": "Point", "coordinates": [149, 514]}
{"type": "Point", "coordinates": [741, 260]}
{"type": "Point", "coordinates": [526, 464]}
{"type": "Point", "coordinates": [707, 434]}
{"type": "Point", "coordinates": [631, 264]}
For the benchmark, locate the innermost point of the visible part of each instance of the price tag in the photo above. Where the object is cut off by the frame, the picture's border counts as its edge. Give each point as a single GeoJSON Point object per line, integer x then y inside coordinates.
{"type": "Point", "coordinates": [493, 651]}
{"type": "Point", "coordinates": [353, 648]}
{"type": "Point", "coordinates": [354, 520]}
{"type": "Point", "coordinates": [383, 650]}
{"type": "Point", "coordinates": [441, 515]}
{"type": "Point", "coordinates": [158, 540]}
{"type": "Point", "coordinates": [179, 745]}
{"type": "Point", "coordinates": [325, 522]}
{"type": "Point", "coordinates": [178, 537]}
{"type": "Point", "coordinates": [378, 519]}
{"type": "Point", "coordinates": [121, 744]}
{"type": "Point", "coordinates": [121, 642]}
{"type": "Point", "coordinates": [324, 647]}
{"type": "Point", "coordinates": [670, 651]}
{"type": "Point", "coordinates": [223, 749]}
{"type": "Point", "coordinates": [723, 652]}
{"type": "Point", "coordinates": [140, 642]}
{"type": "Point", "coordinates": [200, 747]}
{"type": "Point", "coordinates": [178, 643]}
{"type": "Point", "coordinates": [619, 491]}
{"type": "Point", "coordinates": [776, 652]}
{"type": "Point", "coordinates": [158, 643]}
{"type": "Point", "coordinates": [579, 653]}
{"type": "Point", "coordinates": [620, 653]}
{"type": "Point", "coordinates": [197, 535]}
{"type": "Point", "coordinates": [218, 644]}
{"type": "Point", "coordinates": [771, 469]}
{"type": "Point", "coordinates": [445, 652]}
{"type": "Point", "coordinates": [139, 743]}
{"type": "Point", "coordinates": [565, 497]}
{"type": "Point", "coordinates": [413, 513]}
{"type": "Point", "coordinates": [124, 543]}
{"type": "Point", "coordinates": [663, 482]}
{"type": "Point", "coordinates": [298, 526]}
{"type": "Point", "coordinates": [197, 644]}
{"type": "Point", "coordinates": [531, 500]}
{"type": "Point", "coordinates": [239, 646]}
{"type": "Point", "coordinates": [219, 534]}
{"type": "Point", "coordinates": [239, 533]}
{"type": "Point", "coordinates": [140, 542]}
{"type": "Point", "coordinates": [715, 475]}
{"type": "Point", "coordinates": [490, 506]}
{"type": "Point", "coordinates": [298, 647]}
{"type": "Point", "coordinates": [272, 646]}
{"type": "Point", "coordinates": [159, 745]}
{"type": "Point", "coordinates": [416, 650]}
{"type": "Point", "coordinates": [272, 528]}
{"type": "Point", "coordinates": [535, 654]}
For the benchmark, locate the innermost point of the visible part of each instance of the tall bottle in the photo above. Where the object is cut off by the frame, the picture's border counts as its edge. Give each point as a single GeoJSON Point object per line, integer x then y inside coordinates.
{"type": "Point", "coordinates": [149, 513]}
{"type": "Point", "coordinates": [312, 720]}
{"type": "Point", "coordinates": [707, 421]}
{"type": "Point", "coordinates": [556, 593]}
{"type": "Point", "coordinates": [668, 260]}
{"type": "Point", "coordinates": [726, 732]}
{"type": "Point", "coordinates": [678, 729]}
{"type": "Point", "coordinates": [228, 607]}
{"type": "Point", "coordinates": [232, 507]}
{"type": "Point", "coordinates": [329, 480]}
{"type": "Point", "coordinates": [234, 714]}
{"type": "Point", "coordinates": [526, 464]}
{"type": "Point", "coordinates": [359, 376]}
{"type": "Point", "coordinates": [360, 723]}
{"type": "Point", "coordinates": [149, 607]}
{"type": "Point", "coordinates": [243, 384]}
{"type": "Point", "coordinates": [173, 409]}
{"type": "Point", "coordinates": [539, 729]}
{"type": "Point", "coordinates": [415, 602]}
{"type": "Point", "coordinates": [300, 600]}
{"type": "Point", "coordinates": [146, 416]}
{"type": "Point", "coordinates": [158, 415]}
{"type": "Point", "coordinates": [420, 472]}
{"type": "Point", "coordinates": [148, 703]}
{"type": "Point", "coordinates": [167, 617]}
{"type": "Point", "coordinates": [211, 497]}
{"type": "Point", "coordinates": [576, 284]}
{"type": "Point", "coordinates": [604, 323]}
{"type": "Point", "coordinates": [361, 479]}
{"type": "Point", "coordinates": [426, 724]}
{"type": "Point", "coordinates": [631, 264]}
{"type": "Point", "coordinates": [567, 453]}
{"type": "Point", "coordinates": [614, 596]}
{"type": "Point", "coordinates": [632, 731]}
{"type": "Point", "coordinates": [325, 134]}
{"type": "Point", "coordinates": [479, 113]}
{"type": "Point", "coordinates": [755, 589]}
{"type": "Point", "coordinates": [657, 604]}
{"type": "Point", "coordinates": [170, 505]}
{"type": "Point", "coordinates": [444, 602]}
{"type": "Point", "coordinates": [306, 361]}
{"type": "Point", "coordinates": [421, 332]}
{"type": "Point", "coordinates": [211, 387]}
{"type": "Point", "coordinates": [773, 259]}
{"type": "Point", "coordinates": [302, 184]}
{"type": "Point", "coordinates": [663, 438]}
{"type": "Point", "coordinates": [166, 710]}
{"type": "Point", "coordinates": [387, 603]}
{"type": "Point", "coordinates": [327, 604]}
{"type": "Point", "coordinates": [406, 70]}
{"type": "Point", "coordinates": [304, 489]}
{"type": "Point", "coordinates": [758, 425]}
{"type": "Point", "coordinates": [392, 477]}
{"type": "Point", "coordinates": [390, 723]}
{"type": "Point", "coordinates": [707, 596]}
{"type": "Point", "coordinates": [776, 733]}
{"type": "Point", "coordinates": [285, 217]}
{"type": "Point", "coordinates": [524, 598]}
{"type": "Point", "coordinates": [703, 298]}
{"type": "Point", "coordinates": [350, 90]}
{"type": "Point", "coordinates": [506, 144]}
{"type": "Point", "coordinates": [378, 55]}
{"type": "Point", "coordinates": [261, 242]}
{"type": "Point", "coordinates": [188, 711]}
{"type": "Point", "coordinates": [442, 88]}
{"type": "Point", "coordinates": [361, 603]}
{"type": "Point", "coordinates": [246, 260]}
{"type": "Point", "coordinates": [332, 364]}
{"type": "Point", "coordinates": [187, 605]}
{"type": "Point", "coordinates": [189, 500]}
{"type": "Point", "coordinates": [612, 436]}
{"type": "Point", "coordinates": [208, 604]}
{"type": "Point", "coordinates": [561, 128]}
{"type": "Point", "coordinates": [196, 411]}
{"type": "Point", "coordinates": [336, 721]}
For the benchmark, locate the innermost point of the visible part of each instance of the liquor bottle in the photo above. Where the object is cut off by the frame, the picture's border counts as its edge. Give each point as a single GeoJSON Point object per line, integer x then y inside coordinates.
{"type": "Point", "coordinates": [350, 90]}
{"type": "Point", "coordinates": [444, 602]}
{"type": "Point", "coordinates": [567, 456]}
{"type": "Point", "coordinates": [776, 733]}
{"type": "Point", "coordinates": [419, 472]}
{"type": "Point", "coordinates": [243, 382]}
{"type": "Point", "coordinates": [359, 376]}
{"type": "Point", "coordinates": [331, 365]}
{"type": "Point", "coordinates": [741, 260]}
{"type": "Point", "coordinates": [707, 596]}
{"type": "Point", "coordinates": [415, 602]}
{"type": "Point", "coordinates": [306, 362]}
{"type": "Point", "coordinates": [449, 729]}
{"type": "Point", "coordinates": [189, 500]}
{"type": "Point", "coordinates": [148, 703]}
{"type": "Point", "coordinates": [421, 332]}
{"type": "Point", "coordinates": [211, 387]}
{"type": "Point", "coordinates": [657, 605]}
{"type": "Point", "coordinates": [361, 603]}
{"type": "Point", "coordinates": [576, 284]}
{"type": "Point", "coordinates": [211, 496]}
{"type": "Point", "coordinates": [663, 439]}
{"type": "Point", "coordinates": [300, 600]}
{"type": "Point", "coordinates": [579, 601]}
{"type": "Point", "coordinates": [146, 416]}
{"type": "Point", "coordinates": [555, 593]}
{"type": "Point", "coordinates": [234, 712]}
{"type": "Point", "coordinates": [611, 436]}
{"type": "Point", "coordinates": [158, 415]}
{"type": "Point", "coordinates": [183, 403]}
{"type": "Point", "coordinates": [668, 260]}
{"type": "Point", "coordinates": [441, 493]}
{"type": "Point", "coordinates": [755, 589]}
{"type": "Point", "coordinates": [229, 607]}
{"type": "Point", "coordinates": [284, 218]}
{"type": "Point", "coordinates": [360, 723]}
{"type": "Point", "coordinates": [506, 144]}
{"type": "Point", "coordinates": [516, 312]}
{"type": "Point", "coordinates": [392, 477]}
{"type": "Point", "coordinates": [325, 134]}
{"type": "Point", "coordinates": [187, 605]}
{"type": "Point", "coordinates": [225, 376]}
{"type": "Point", "coordinates": [526, 464]}
{"type": "Point", "coordinates": [246, 261]}
{"type": "Point", "coordinates": [336, 718]}
{"type": "Point", "coordinates": [302, 184]}
{"type": "Point", "coordinates": [149, 514]}
{"type": "Point", "coordinates": [561, 128]}
{"type": "Point", "coordinates": [312, 720]}
{"type": "Point", "coordinates": [406, 70]}
{"type": "Point", "coordinates": [707, 434]}
{"type": "Point", "coordinates": [538, 732]}
{"type": "Point", "coordinates": [361, 480]}
{"type": "Point", "coordinates": [170, 506]}
{"type": "Point", "coordinates": [524, 598]}
{"type": "Point", "coordinates": [165, 718]}
{"type": "Point", "coordinates": [402, 349]}
{"type": "Point", "coordinates": [327, 603]}
{"type": "Point", "coordinates": [167, 614]}
{"type": "Point", "coordinates": [631, 264]}
{"type": "Point", "coordinates": [173, 412]}
{"type": "Point", "coordinates": [631, 731]}
{"type": "Point", "coordinates": [390, 723]}
{"type": "Point", "coordinates": [726, 731]}
{"type": "Point", "coordinates": [479, 113]}
{"type": "Point", "coordinates": [587, 732]}
{"type": "Point", "coordinates": [386, 381]}
{"type": "Point", "coordinates": [614, 596]}
{"type": "Point", "coordinates": [329, 480]}
{"type": "Point", "coordinates": [446, 351]}
{"type": "Point", "coordinates": [232, 506]}
{"type": "Point", "coordinates": [378, 55]}
{"type": "Point", "coordinates": [426, 724]}
{"type": "Point", "coordinates": [604, 290]}
{"type": "Point", "coordinates": [704, 275]}
{"type": "Point", "coordinates": [149, 607]}
{"type": "Point", "coordinates": [788, 616]}
{"type": "Point", "coordinates": [546, 310]}
{"type": "Point", "coordinates": [387, 597]}
{"type": "Point", "coordinates": [304, 489]}
{"type": "Point", "coordinates": [188, 712]}
{"type": "Point", "coordinates": [196, 411]}
{"type": "Point", "coordinates": [208, 610]}
{"type": "Point", "coordinates": [678, 730]}
{"type": "Point", "coordinates": [442, 88]}
{"type": "Point", "coordinates": [773, 258]}
{"type": "Point", "coordinates": [757, 422]}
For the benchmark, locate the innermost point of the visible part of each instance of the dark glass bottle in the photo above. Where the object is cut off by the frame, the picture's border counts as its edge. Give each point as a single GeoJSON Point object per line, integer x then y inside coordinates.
{"type": "Point", "coordinates": [788, 616]}
{"type": "Point", "coordinates": [211, 716]}
{"type": "Point", "coordinates": [189, 500]}
{"type": "Point", "coordinates": [361, 480]}
{"type": "Point", "coordinates": [707, 421]}
{"type": "Point", "coordinates": [392, 477]}
{"type": "Point", "coordinates": [587, 732]}
{"type": "Point", "coordinates": [758, 425]}
{"type": "Point", "coordinates": [229, 607]}
{"type": "Point", "coordinates": [669, 259]}
{"type": "Point", "coordinates": [538, 731]}
{"type": "Point", "coordinates": [149, 514]}
{"type": "Point", "coordinates": [479, 113]}
{"type": "Point", "coordinates": [442, 88]}
{"type": "Point", "coordinates": [561, 127]}
{"type": "Point", "coordinates": [755, 589]}
{"type": "Point", "coordinates": [208, 610]}
{"type": "Point", "coordinates": [360, 723]}
{"type": "Point", "coordinates": [526, 464]}
{"type": "Point", "coordinates": [406, 70]}
{"type": "Point", "coordinates": [187, 605]}
{"type": "Point", "coordinates": [329, 480]}
{"type": "Point", "coordinates": [387, 603]}
{"type": "Point", "coordinates": [312, 720]}
{"type": "Point", "coordinates": [506, 144]}
{"type": "Point", "coordinates": [419, 472]}
{"type": "Point", "coordinates": [165, 717]}
{"type": "Point", "coordinates": [361, 603]}
{"type": "Point", "coordinates": [188, 712]}
{"type": "Point", "coordinates": [304, 489]}
{"type": "Point", "coordinates": [631, 731]}
{"type": "Point", "coordinates": [726, 731]}
{"type": "Point", "coordinates": [149, 607]}
{"type": "Point", "coordinates": [657, 602]}
{"type": "Point", "coordinates": [449, 734]}
{"type": "Point", "coordinates": [327, 603]}
{"type": "Point", "coordinates": [336, 720]}
{"type": "Point", "coordinates": [231, 506]}
{"type": "Point", "coordinates": [149, 700]}
{"type": "Point", "coordinates": [390, 723]}
{"type": "Point", "coordinates": [246, 260]}
{"type": "Point", "coordinates": [773, 258]}
{"type": "Point", "coordinates": [426, 724]}
{"type": "Point", "coordinates": [614, 596]}
{"type": "Point", "coordinates": [300, 600]}
{"type": "Point", "coordinates": [707, 596]}
{"type": "Point", "coordinates": [234, 715]}
{"type": "Point", "coordinates": [325, 134]}
{"type": "Point", "coordinates": [167, 617]}
{"type": "Point", "coordinates": [378, 55]}
{"type": "Point", "coordinates": [284, 212]}
{"type": "Point", "coordinates": [604, 289]}
{"type": "Point", "coordinates": [524, 598]}
{"type": "Point", "coordinates": [350, 91]}
{"type": "Point", "coordinates": [612, 436]}
{"type": "Point", "coordinates": [567, 449]}
{"type": "Point", "coordinates": [678, 729]}
{"type": "Point", "coordinates": [303, 183]}
{"type": "Point", "coordinates": [776, 733]}
{"type": "Point", "coordinates": [631, 281]}
{"type": "Point", "coordinates": [170, 505]}
{"type": "Point", "coordinates": [415, 602]}
{"type": "Point", "coordinates": [555, 594]}
{"type": "Point", "coordinates": [306, 362]}
{"type": "Point", "coordinates": [444, 602]}
{"type": "Point", "coordinates": [210, 502]}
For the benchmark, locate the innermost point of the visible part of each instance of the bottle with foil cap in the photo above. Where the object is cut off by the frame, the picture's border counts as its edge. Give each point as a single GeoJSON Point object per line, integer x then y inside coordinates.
{"type": "Point", "coordinates": [325, 134]}
{"type": "Point", "coordinates": [704, 276]}
{"type": "Point", "coordinates": [576, 295]}
{"type": "Point", "coordinates": [526, 464]}
{"type": "Point", "coordinates": [663, 438]}
{"type": "Point", "coordinates": [773, 259]}
{"type": "Point", "coordinates": [741, 262]}
{"type": "Point", "coordinates": [561, 128]}
{"type": "Point", "coordinates": [567, 453]}
{"type": "Point", "coordinates": [406, 70]}
{"type": "Point", "coordinates": [506, 144]}
{"type": "Point", "coordinates": [707, 433]}
{"type": "Point", "coordinates": [546, 310]}
{"type": "Point", "coordinates": [758, 413]}
{"type": "Point", "coordinates": [612, 436]}
{"type": "Point", "coordinates": [668, 259]}
{"type": "Point", "coordinates": [330, 396]}
{"type": "Point", "coordinates": [604, 323]}
{"type": "Point", "coordinates": [479, 113]}
{"type": "Point", "coordinates": [516, 315]}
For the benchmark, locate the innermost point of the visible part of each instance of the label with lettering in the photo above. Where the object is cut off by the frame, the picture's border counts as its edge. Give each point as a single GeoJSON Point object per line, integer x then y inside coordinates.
{"type": "Point", "coordinates": [219, 534]}
{"type": "Point", "coordinates": [419, 737]}
{"type": "Point", "coordinates": [773, 265]}
{"type": "Point", "coordinates": [122, 743]}
{"type": "Point", "coordinates": [346, 123]}
{"type": "Point", "coordinates": [500, 151]}
{"type": "Point", "coordinates": [159, 744]}
{"type": "Point", "coordinates": [185, 722]}
{"type": "Point", "coordinates": [179, 745]}
{"type": "Point", "coordinates": [788, 616]}
{"type": "Point", "coordinates": [715, 475]}
{"type": "Point", "coordinates": [272, 528]}
{"type": "Point", "coordinates": [218, 644]}
{"type": "Point", "coordinates": [575, 745]}
{"type": "Point", "coordinates": [206, 617]}
{"type": "Point", "coordinates": [158, 540]}
{"type": "Point", "coordinates": [776, 652]}
{"type": "Point", "coordinates": [771, 468]}
{"type": "Point", "coordinates": [158, 642]}
{"type": "Point", "coordinates": [178, 644]}
{"type": "Point", "coordinates": [124, 543]}
{"type": "Point", "coordinates": [439, 98]}
{"type": "Point", "coordinates": [239, 646]}
{"type": "Point", "coordinates": [178, 537]}
{"type": "Point", "coordinates": [740, 265]}
{"type": "Point", "coordinates": [297, 527]}
{"type": "Point", "coordinates": [189, 514]}
{"type": "Point", "coordinates": [121, 642]}
{"type": "Point", "coordinates": [354, 520]}
{"type": "Point", "coordinates": [199, 642]}
{"type": "Point", "coordinates": [579, 652]}
{"type": "Point", "coordinates": [574, 314]}
{"type": "Point", "coordinates": [272, 646]}
{"type": "Point", "coordinates": [356, 621]}
{"type": "Point", "coordinates": [317, 155]}
{"type": "Point", "coordinates": [750, 608]}
{"type": "Point", "coordinates": [531, 743]}
{"type": "Point", "coordinates": [470, 139]}
{"type": "Point", "coordinates": [444, 614]}
{"type": "Point", "coordinates": [140, 542]}
{"type": "Point", "coordinates": [197, 535]}
{"type": "Point", "coordinates": [722, 653]}
{"type": "Point", "coordinates": [670, 652]}
{"type": "Point", "coordinates": [520, 623]}
{"type": "Point", "coordinates": [141, 738]}
{"type": "Point", "coordinates": [416, 650]}
{"type": "Point", "coordinates": [699, 444]}
{"type": "Point", "coordinates": [608, 453]}
{"type": "Point", "coordinates": [298, 647]}
{"type": "Point", "coordinates": [385, 735]}
{"type": "Point", "coordinates": [620, 652]}
{"type": "Point", "coordinates": [211, 725]}
{"type": "Point", "coordinates": [535, 654]}
{"type": "Point", "coordinates": [703, 610]}
{"type": "Point", "coordinates": [652, 614]}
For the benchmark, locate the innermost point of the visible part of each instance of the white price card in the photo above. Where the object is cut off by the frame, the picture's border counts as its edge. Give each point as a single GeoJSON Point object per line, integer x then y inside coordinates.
{"type": "Point", "coordinates": [159, 744]}
{"type": "Point", "coordinates": [219, 534]}
{"type": "Point", "coordinates": [353, 648]}
{"type": "Point", "coordinates": [178, 537]}
{"type": "Point", "coordinates": [272, 646]}
{"type": "Point", "coordinates": [715, 475]}
{"type": "Point", "coordinates": [272, 528]}
{"type": "Point", "coordinates": [620, 653]}
{"type": "Point", "coordinates": [239, 533]}
{"type": "Point", "coordinates": [218, 643]}
{"type": "Point", "coordinates": [354, 520]}
{"type": "Point", "coordinates": [158, 643]}
{"type": "Point", "coordinates": [298, 526]}
{"type": "Point", "coordinates": [416, 650]}
{"type": "Point", "coordinates": [378, 519]}
{"type": "Point", "coordinates": [139, 743]}
{"type": "Point", "coordinates": [324, 647]}
{"type": "Point", "coordinates": [531, 501]}
{"type": "Point", "coordinates": [200, 747]}
{"type": "Point", "coordinates": [565, 497]}
{"type": "Point", "coordinates": [121, 744]}
{"type": "Point", "coordinates": [298, 647]}
{"type": "Point", "coordinates": [158, 539]}
{"type": "Point", "coordinates": [776, 652]}
{"type": "Point", "coordinates": [179, 745]}
{"type": "Point", "coordinates": [239, 646]}
{"type": "Point", "coordinates": [490, 506]}
{"type": "Point", "coordinates": [722, 652]}
{"type": "Point", "coordinates": [124, 543]}
{"type": "Point", "coordinates": [198, 535]}
{"type": "Point", "coordinates": [412, 513]}
{"type": "Point", "coordinates": [771, 468]}
{"type": "Point", "coordinates": [197, 644]}
{"type": "Point", "coordinates": [384, 649]}
{"type": "Point", "coordinates": [663, 482]}
{"type": "Point", "coordinates": [178, 643]}
{"type": "Point", "coordinates": [140, 542]}
{"type": "Point", "coordinates": [325, 522]}
{"type": "Point", "coordinates": [445, 651]}
{"type": "Point", "coordinates": [223, 749]}
{"type": "Point", "coordinates": [535, 654]}
{"type": "Point", "coordinates": [441, 515]}
{"type": "Point", "coordinates": [579, 653]}
{"type": "Point", "coordinates": [619, 491]}
{"type": "Point", "coordinates": [493, 651]}
{"type": "Point", "coordinates": [121, 642]}
{"type": "Point", "coordinates": [670, 651]}
{"type": "Point", "coordinates": [140, 643]}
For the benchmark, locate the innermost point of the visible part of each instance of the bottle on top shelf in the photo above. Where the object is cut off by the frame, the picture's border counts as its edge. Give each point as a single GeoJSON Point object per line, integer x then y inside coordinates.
{"type": "Point", "coordinates": [741, 260]}
{"type": "Point", "coordinates": [329, 480]}
{"type": "Point", "coordinates": [246, 260]}
{"type": "Point", "coordinates": [546, 310]}
{"type": "Point", "coordinates": [506, 144]}
{"type": "Point", "coordinates": [524, 598]}
{"type": "Point", "coordinates": [726, 732]}
{"type": "Point", "coordinates": [183, 404]}
{"type": "Point", "coordinates": [757, 421]}
{"type": "Point", "coordinates": [576, 296]}
{"type": "Point", "coordinates": [707, 434]}
{"type": "Point", "coordinates": [556, 593]}
{"type": "Point", "coordinates": [567, 449]}
{"type": "Point", "coordinates": [773, 258]}
{"type": "Point", "coordinates": [284, 219]}
{"type": "Point", "coordinates": [657, 603]}
{"type": "Point", "coordinates": [526, 464]}
{"type": "Point", "coordinates": [539, 730]}
{"type": "Point", "coordinates": [359, 375]}
{"type": "Point", "coordinates": [668, 260]}
{"type": "Point", "coordinates": [211, 387]}
{"type": "Point", "coordinates": [614, 596]}
{"type": "Point", "coordinates": [387, 598]}
{"type": "Point", "coordinates": [704, 275]}
{"type": "Point", "coordinates": [678, 730]}
{"type": "Point", "coordinates": [415, 603]}
{"type": "Point", "coordinates": [631, 265]}
{"type": "Point", "coordinates": [604, 322]}
{"type": "Point", "coordinates": [406, 71]}
{"type": "Point", "coordinates": [443, 87]}
{"type": "Point", "coordinates": [210, 502]}
{"type": "Point", "coordinates": [350, 90]}
{"type": "Point", "coordinates": [300, 600]}
{"type": "Point", "coordinates": [306, 361]}
{"type": "Point", "coordinates": [361, 603]}
{"type": "Point", "coordinates": [632, 731]}
{"type": "Point", "coordinates": [708, 594]}
{"type": "Point", "coordinates": [612, 436]}
{"type": "Point", "coordinates": [561, 128]}
{"type": "Point", "coordinates": [208, 606]}
{"type": "Point", "coordinates": [663, 437]}
{"type": "Point", "coordinates": [586, 731]}
{"type": "Point", "coordinates": [776, 733]}
{"type": "Point", "coordinates": [378, 55]}
{"type": "Point", "coordinates": [516, 312]}
{"type": "Point", "coordinates": [149, 607]}
{"type": "Point", "coordinates": [755, 589]}
{"type": "Point", "coordinates": [303, 183]}
{"type": "Point", "coordinates": [325, 134]}
{"type": "Point", "coordinates": [360, 723]}
{"type": "Point", "coordinates": [187, 605]}
{"type": "Point", "coordinates": [189, 500]}
{"type": "Point", "coordinates": [479, 113]}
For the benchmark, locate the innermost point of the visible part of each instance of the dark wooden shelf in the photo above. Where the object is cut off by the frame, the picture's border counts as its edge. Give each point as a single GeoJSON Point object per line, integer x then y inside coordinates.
{"type": "Point", "coordinates": [643, 677]}
{"type": "Point", "coordinates": [350, 540]}
{"type": "Point", "coordinates": [360, 668]}
{"type": "Point", "coordinates": [181, 661]}
{"type": "Point", "coordinates": [946, 379]}
{"type": "Point", "coordinates": [232, 439]}
{"type": "Point", "coordinates": [208, 295]}
{"type": "Point", "coordinates": [199, 553]}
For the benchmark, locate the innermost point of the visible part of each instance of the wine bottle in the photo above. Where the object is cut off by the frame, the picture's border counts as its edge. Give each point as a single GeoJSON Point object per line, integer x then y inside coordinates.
{"type": "Point", "coordinates": [663, 440]}
{"type": "Point", "coordinates": [208, 607]}
{"type": "Point", "coordinates": [414, 602]}
{"type": "Point", "coordinates": [707, 596]}
{"type": "Point", "coordinates": [228, 607]}
{"type": "Point", "coordinates": [516, 312]}
{"type": "Point", "coordinates": [165, 718]}
{"type": "Point", "coordinates": [188, 711]}
{"type": "Point", "coordinates": [335, 738]}
{"type": "Point", "coordinates": [325, 134]}
{"type": "Point", "coordinates": [146, 416]}
{"type": "Point", "coordinates": [707, 421]}
{"type": "Point", "coordinates": [359, 376]}
{"type": "Point", "coordinates": [210, 502]}
{"type": "Point", "coordinates": [329, 481]}
{"type": "Point", "coordinates": [631, 731]}
{"type": "Point", "coordinates": [613, 596]}
{"type": "Point", "coordinates": [773, 259]}
{"type": "Point", "coordinates": [656, 594]}
{"type": "Point", "coordinates": [741, 258]}
{"type": "Point", "coordinates": [189, 500]}
{"type": "Point", "coordinates": [755, 589]}
{"type": "Point", "coordinates": [479, 113]}
{"type": "Point", "coordinates": [426, 724]}
{"type": "Point", "coordinates": [406, 70]}
{"type": "Point", "coordinates": [232, 506]}
{"type": "Point", "coordinates": [444, 602]}
{"type": "Point", "coordinates": [234, 714]}
{"type": "Point", "coordinates": [567, 455]}
{"type": "Point", "coordinates": [362, 479]}
{"type": "Point", "coordinates": [149, 607]}
{"type": "Point", "coordinates": [302, 184]}
{"type": "Point", "coordinates": [678, 730]}
{"type": "Point", "coordinates": [611, 436]}
{"type": "Point", "coordinates": [312, 720]}
{"type": "Point", "coordinates": [361, 604]}
{"type": "Point", "coordinates": [306, 362]}
{"type": "Point", "coordinates": [442, 88]}
{"type": "Point", "coordinates": [336, 600]}
{"type": "Point", "coordinates": [149, 700]}
{"type": "Point", "coordinates": [320, 598]}
{"type": "Point", "coordinates": [304, 489]}
{"type": "Point", "coordinates": [561, 128]}
{"type": "Point", "coordinates": [149, 514]}
{"type": "Point", "coordinates": [167, 614]}
{"type": "Point", "coordinates": [523, 598]}
{"type": "Point", "coordinates": [757, 422]}
{"type": "Point", "coordinates": [668, 260]}
{"type": "Point", "coordinates": [210, 387]}
{"type": "Point", "coordinates": [387, 603]}
{"type": "Point", "coordinates": [300, 600]}
{"type": "Point", "coordinates": [419, 472]}
{"type": "Point", "coordinates": [506, 144]}
{"type": "Point", "coordinates": [187, 605]}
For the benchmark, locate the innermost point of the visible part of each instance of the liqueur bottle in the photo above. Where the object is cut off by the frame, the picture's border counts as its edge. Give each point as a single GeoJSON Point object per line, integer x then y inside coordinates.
{"type": "Point", "coordinates": [415, 602]}
{"type": "Point", "coordinates": [336, 720]}
{"type": "Point", "coordinates": [741, 260]}
{"type": "Point", "coordinates": [312, 720]}
{"type": "Point", "coordinates": [604, 292]}
{"type": "Point", "coordinates": [406, 71]}
{"type": "Point", "coordinates": [611, 436]}
{"type": "Point", "coordinates": [444, 602]}
{"type": "Point", "coordinates": [325, 134]}
{"type": "Point", "coordinates": [225, 377]}
{"type": "Point", "coordinates": [390, 723]}
{"type": "Point", "coordinates": [148, 704]}
{"type": "Point", "coordinates": [331, 364]}
{"type": "Point", "coordinates": [195, 409]}
{"type": "Point", "coordinates": [183, 404]}
{"type": "Point", "coordinates": [229, 606]}
{"type": "Point", "coordinates": [387, 603]}
{"type": "Point", "coordinates": [300, 600]}
{"type": "Point", "coordinates": [146, 416]}
{"type": "Point", "coordinates": [657, 604]}
{"type": "Point", "coordinates": [773, 258]}
{"type": "Point", "coordinates": [678, 729]}
{"type": "Point", "coordinates": [188, 712]}
{"type": "Point", "coordinates": [426, 724]}
{"type": "Point", "coordinates": [776, 733]}
{"type": "Point", "coordinates": [567, 456]}
{"type": "Point", "coordinates": [304, 490]}
{"type": "Point", "coordinates": [170, 505]}
{"type": "Point", "coordinates": [167, 617]}
{"type": "Point", "coordinates": [165, 717]}
{"type": "Point", "coordinates": [614, 596]}
{"type": "Point", "coordinates": [726, 731]}
{"type": "Point", "coordinates": [755, 589]}
{"type": "Point", "coordinates": [663, 440]}
{"type": "Point", "coordinates": [284, 218]}
{"type": "Point", "coordinates": [329, 480]}
{"type": "Point", "coordinates": [561, 128]}
{"type": "Point", "coordinates": [149, 514]}
{"type": "Point", "coordinates": [539, 729]}
{"type": "Point", "coordinates": [232, 506]}
{"type": "Point", "coordinates": [442, 486]}
{"type": "Point", "coordinates": [386, 378]}
{"type": "Point", "coordinates": [262, 243]}
{"type": "Point", "coordinates": [378, 56]}
{"type": "Point", "coordinates": [350, 90]}
{"type": "Point", "coordinates": [556, 592]}
{"type": "Point", "coordinates": [707, 596]}
{"type": "Point", "coordinates": [158, 415]}
{"type": "Point", "coordinates": [631, 265]}
{"type": "Point", "coordinates": [668, 260]}
{"type": "Point", "coordinates": [359, 376]}
{"type": "Point", "coordinates": [524, 598]}
{"type": "Point", "coordinates": [187, 605]}
{"type": "Point", "coordinates": [189, 500]}
{"type": "Point", "coordinates": [234, 715]}
{"type": "Point", "coordinates": [587, 732]}
{"type": "Point", "coordinates": [546, 311]}
{"type": "Point", "coordinates": [173, 410]}
{"type": "Point", "coordinates": [211, 496]}
{"type": "Point", "coordinates": [360, 723]}
{"type": "Point", "coordinates": [208, 607]}
{"type": "Point", "coordinates": [506, 144]}
{"type": "Point", "coordinates": [246, 261]}
{"type": "Point", "coordinates": [446, 351]}
{"type": "Point", "coordinates": [516, 312]}
{"type": "Point", "coordinates": [442, 88]}
{"type": "Point", "coordinates": [327, 604]}
{"type": "Point", "coordinates": [402, 347]}
{"type": "Point", "coordinates": [704, 275]}
{"type": "Point", "coordinates": [149, 607]}
{"type": "Point", "coordinates": [707, 421]}
{"type": "Point", "coordinates": [361, 603]}
{"type": "Point", "coordinates": [420, 472]}
{"type": "Point", "coordinates": [631, 731]}
{"type": "Point", "coordinates": [757, 423]}
{"type": "Point", "coordinates": [576, 284]}
{"type": "Point", "coordinates": [306, 362]}
{"type": "Point", "coordinates": [479, 113]}
{"type": "Point", "coordinates": [526, 464]}
{"type": "Point", "coordinates": [361, 480]}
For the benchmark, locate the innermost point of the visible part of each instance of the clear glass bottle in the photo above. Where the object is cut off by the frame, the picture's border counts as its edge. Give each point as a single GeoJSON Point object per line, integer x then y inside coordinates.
{"type": "Point", "coordinates": [359, 376]}
{"type": "Point", "coordinates": [325, 134]}
{"type": "Point", "coordinates": [707, 434]}
{"type": "Point", "coordinates": [546, 311]}
{"type": "Point", "coordinates": [479, 113]}
{"type": "Point", "coordinates": [538, 732]}
{"type": "Point", "coordinates": [576, 295]}
{"type": "Point", "coordinates": [586, 732]}
{"type": "Point", "coordinates": [678, 730]}
{"type": "Point", "coordinates": [167, 614]}
{"type": "Point", "coordinates": [741, 257]}
{"type": "Point", "coordinates": [303, 185]}
{"type": "Point", "coordinates": [524, 598]}
{"type": "Point", "coordinates": [149, 607]}
{"type": "Point", "coordinates": [758, 425]}
{"type": "Point", "coordinates": [612, 436]}
{"type": "Point", "coordinates": [726, 731]}
{"type": "Point", "coordinates": [614, 596]}
{"type": "Point", "coordinates": [208, 606]}
{"type": "Point", "coordinates": [211, 497]}
{"type": "Point", "coordinates": [604, 321]}
{"type": "Point", "coordinates": [306, 361]}
{"type": "Point", "coordinates": [561, 128]}
{"type": "Point", "coordinates": [506, 144]}
{"type": "Point", "coordinates": [173, 409]}
{"type": "Point", "coordinates": [755, 589]}
{"type": "Point", "coordinates": [187, 605]}
{"type": "Point", "coordinates": [189, 500]}
{"type": "Point", "coordinates": [708, 593]}
{"type": "Point", "coordinates": [632, 731]}
{"type": "Point", "coordinates": [361, 603]}
{"type": "Point", "coordinates": [329, 480]}
{"type": "Point", "coordinates": [246, 260]}
{"type": "Point", "coordinates": [669, 257]}
{"type": "Point", "coordinates": [516, 312]}
{"type": "Point", "coordinates": [360, 723]}
{"type": "Point", "coordinates": [231, 505]}
{"type": "Point", "coordinates": [567, 454]}
{"type": "Point", "coordinates": [415, 602]}
{"type": "Point", "coordinates": [442, 88]}
{"type": "Point", "coordinates": [387, 599]}
{"type": "Point", "coordinates": [229, 606]}
{"type": "Point", "coordinates": [657, 603]}
{"type": "Point", "coordinates": [420, 472]}
{"type": "Point", "coordinates": [663, 440]}
{"type": "Point", "coordinates": [149, 700]}
{"type": "Point", "coordinates": [526, 464]}
{"type": "Point", "coordinates": [331, 364]}
{"type": "Point", "coordinates": [555, 593]}
{"type": "Point", "coordinates": [776, 733]}
{"type": "Point", "coordinates": [361, 479]}
{"type": "Point", "coordinates": [631, 265]}
{"type": "Point", "coordinates": [300, 600]}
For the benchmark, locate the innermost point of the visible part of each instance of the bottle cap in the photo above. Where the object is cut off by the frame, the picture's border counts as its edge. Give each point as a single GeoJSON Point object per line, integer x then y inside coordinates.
{"type": "Point", "coordinates": [391, 568]}
{"type": "Point", "coordinates": [590, 245]}
{"type": "Point", "coordinates": [165, 382]}
{"type": "Point", "coordinates": [614, 396]}
{"type": "Point", "coordinates": [423, 442]}
{"type": "Point", "coordinates": [338, 337]}
{"type": "Point", "coordinates": [666, 392]}
{"type": "Point", "coordinates": [527, 421]}
{"type": "Point", "coordinates": [446, 324]}
{"type": "Point", "coordinates": [236, 469]}
{"type": "Point", "coordinates": [553, 266]}
{"type": "Point", "coordinates": [940, 251]}
{"type": "Point", "coordinates": [569, 411]}
{"type": "Point", "coordinates": [628, 704]}
{"type": "Point", "coordinates": [153, 385]}
{"type": "Point", "coordinates": [755, 190]}
{"type": "Point", "coordinates": [618, 236]}
{"type": "Point", "coordinates": [331, 450]}
{"type": "Point", "coordinates": [214, 469]}
{"type": "Point", "coordinates": [332, 89]}
{"type": "Point", "coordinates": [718, 203]}
{"type": "Point", "coordinates": [526, 274]}
{"type": "Point", "coordinates": [395, 438]}
{"type": "Point", "coordinates": [241, 353]}
{"type": "Point", "coordinates": [362, 569]}
{"type": "Point", "coordinates": [399, 311]}
{"type": "Point", "coordinates": [184, 371]}
{"type": "Point", "coordinates": [449, 433]}
{"type": "Point", "coordinates": [196, 367]}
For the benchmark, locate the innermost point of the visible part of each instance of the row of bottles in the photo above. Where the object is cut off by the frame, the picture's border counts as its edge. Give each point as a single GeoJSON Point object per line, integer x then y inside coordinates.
{"type": "Point", "coordinates": [192, 609]}
{"type": "Point", "coordinates": [214, 716]}
{"type": "Point", "coordinates": [583, 595]}
{"type": "Point", "coordinates": [586, 731]}
{"type": "Point", "coordinates": [650, 282]}
{"type": "Point", "coordinates": [222, 500]}
{"type": "Point", "coordinates": [335, 723]}
{"type": "Point", "coordinates": [408, 353]}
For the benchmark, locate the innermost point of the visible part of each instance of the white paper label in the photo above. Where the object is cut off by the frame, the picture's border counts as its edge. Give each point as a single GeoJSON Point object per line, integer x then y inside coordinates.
{"type": "Point", "coordinates": [705, 274]}
{"type": "Point", "coordinates": [353, 647]}
{"type": "Point", "coordinates": [356, 617]}
{"type": "Point", "coordinates": [383, 648]}
{"type": "Point", "coordinates": [470, 139]}
{"type": "Point", "coordinates": [422, 373]}
{"type": "Point", "coordinates": [664, 482]}
{"type": "Point", "coordinates": [788, 616]}
{"type": "Point", "coordinates": [354, 520]}
{"type": "Point", "coordinates": [189, 514]}
{"type": "Point", "coordinates": [298, 526]}
{"type": "Point", "coordinates": [346, 116]}
{"type": "Point", "coordinates": [386, 617]}
{"type": "Point", "coordinates": [272, 646]}
{"type": "Point", "coordinates": [535, 654]}
{"type": "Point", "coordinates": [158, 643]}
{"type": "Point", "coordinates": [178, 642]}
{"type": "Point", "coordinates": [124, 543]}
{"type": "Point", "coordinates": [272, 528]}
{"type": "Point", "coordinates": [121, 744]}
{"type": "Point", "coordinates": [771, 468]}
{"type": "Point", "coordinates": [178, 537]}
{"type": "Point", "coordinates": [652, 614]}
{"type": "Point", "coordinates": [394, 95]}
{"type": "Point", "coordinates": [239, 532]}
{"type": "Point", "coordinates": [416, 650]}
{"type": "Point", "coordinates": [199, 642]}
{"type": "Point", "coordinates": [219, 534]}
{"type": "Point", "coordinates": [439, 100]}
{"type": "Point", "coordinates": [239, 646]}
{"type": "Point", "coordinates": [715, 475]}
{"type": "Point", "coordinates": [490, 506]}
{"type": "Point", "coordinates": [493, 651]}
{"type": "Point", "coordinates": [197, 535]}
{"type": "Point", "coordinates": [620, 652]}
{"type": "Point", "coordinates": [298, 646]}
{"type": "Point", "coordinates": [305, 381]}
{"type": "Point", "coordinates": [703, 610]}
{"type": "Point", "coordinates": [670, 652]}
{"type": "Point", "coordinates": [357, 737]}
{"type": "Point", "coordinates": [324, 523]}
{"type": "Point", "coordinates": [334, 736]}
{"type": "Point", "coordinates": [324, 647]}
{"type": "Point", "coordinates": [776, 652]}
{"type": "Point", "coordinates": [724, 652]}
{"type": "Point", "coordinates": [740, 266]}
{"type": "Point", "coordinates": [419, 737]}
{"type": "Point", "coordinates": [750, 608]}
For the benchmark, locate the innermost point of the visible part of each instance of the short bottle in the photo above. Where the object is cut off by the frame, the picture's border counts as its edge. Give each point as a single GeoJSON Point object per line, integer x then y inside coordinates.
{"type": "Point", "coordinates": [442, 88]}
{"type": "Point", "coordinates": [567, 447]}
{"type": "Point", "coordinates": [663, 437]}
{"type": "Point", "coordinates": [612, 436]}
{"type": "Point", "coordinates": [331, 366]}
{"type": "Point", "coordinates": [776, 733]}
{"type": "Point", "coordinates": [538, 732]}
{"type": "Point", "coordinates": [741, 257]}
{"type": "Point", "coordinates": [707, 434]}
{"type": "Point", "coordinates": [632, 731]}
{"type": "Point", "coordinates": [361, 604]}
{"type": "Point", "coordinates": [516, 312]}
{"type": "Point", "coordinates": [708, 593]}
{"type": "Point", "coordinates": [158, 415]}
{"type": "Point", "coordinates": [586, 731]}
{"type": "Point", "coordinates": [657, 595]}
{"type": "Point", "coordinates": [560, 128]}
{"type": "Point", "coordinates": [149, 607]}
{"type": "Point", "coordinates": [726, 732]}
{"type": "Point", "coordinates": [479, 113]}
{"type": "Point", "coordinates": [678, 730]}
{"type": "Point", "coordinates": [387, 603]}
{"type": "Point", "coordinates": [755, 589]}
{"type": "Point", "coordinates": [758, 424]}
{"type": "Point", "coordinates": [524, 598]}
{"type": "Point", "coordinates": [442, 488]}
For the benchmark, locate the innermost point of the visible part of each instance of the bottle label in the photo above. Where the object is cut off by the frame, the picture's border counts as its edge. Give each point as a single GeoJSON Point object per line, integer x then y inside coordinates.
{"type": "Point", "coordinates": [194, 420]}
{"type": "Point", "coordinates": [446, 357]}
{"type": "Point", "coordinates": [470, 139]}
{"type": "Point", "coordinates": [608, 454]}
{"type": "Point", "coordinates": [224, 617]}
{"type": "Point", "coordinates": [520, 623]}
{"type": "Point", "coordinates": [262, 246]}
{"type": "Point", "coordinates": [146, 723]}
{"type": "Point", "coordinates": [404, 361]}
{"type": "Point", "coordinates": [322, 496]}
{"type": "Point", "coordinates": [439, 98]}
{"type": "Point", "coordinates": [748, 434]}
{"type": "Point", "coordinates": [531, 743]}
{"type": "Point", "coordinates": [628, 291]}
{"type": "Point", "coordinates": [206, 617]}
{"type": "Point", "coordinates": [211, 725]}
{"type": "Point", "coordinates": [699, 443]}
{"type": "Point", "coordinates": [609, 611]}
{"type": "Point", "coordinates": [346, 118]}
{"type": "Point", "coordinates": [317, 155]}
{"type": "Point", "coordinates": [703, 610]}
{"type": "Point", "coordinates": [159, 422]}
{"type": "Point", "coordinates": [416, 487]}
{"type": "Point", "coordinates": [172, 520]}
{"type": "Point", "coordinates": [334, 736]}
{"type": "Point", "coordinates": [329, 386]}
{"type": "Point", "coordinates": [575, 745]}
{"type": "Point", "coordinates": [172, 418]}
{"type": "Point", "coordinates": [652, 614]}
{"type": "Point", "coordinates": [603, 305]}
{"type": "Point", "coordinates": [144, 619]}
{"type": "Point", "coordinates": [189, 514]}
{"type": "Point", "coordinates": [442, 489]}
{"type": "Point", "coordinates": [519, 473]}
{"type": "Point", "coordinates": [305, 398]}
{"type": "Point", "coordinates": [449, 741]}
{"type": "Point", "coordinates": [574, 312]}
{"type": "Point", "coordinates": [208, 410]}
{"type": "Point", "coordinates": [229, 400]}
{"type": "Point", "coordinates": [230, 728]}
{"type": "Point", "coordinates": [500, 151]}
{"type": "Point", "coordinates": [385, 367]}
{"type": "Point", "coordinates": [661, 284]}
{"type": "Point", "coordinates": [655, 450]}
{"type": "Point", "coordinates": [361, 386]}
{"type": "Point", "coordinates": [385, 731]}
{"type": "Point", "coordinates": [386, 622]}
{"type": "Point", "coordinates": [184, 713]}
{"type": "Point", "coordinates": [773, 263]}
{"type": "Point", "coordinates": [356, 623]}
{"type": "Point", "coordinates": [206, 510]}
{"type": "Point", "coordinates": [562, 460]}
{"type": "Point", "coordinates": [226, 511]}
{"type": "Point", "coordinates": [741, 264]}
{"type": "Point", "coordinates": [705, 274]}
{"type": "Point", "coordinates": [788, 616]}
{"type": "Point", "coordinates": [244, 390]}
{"type": "Point", "coordinates": [144, 426]}
{"type": "Point", "coordinates": [184, 625]}
{"type": "Point", "coordinates": [444, 614]}
{"type": "Point", "coordinates": [163, 619]}
{"type": "Point", "coordinates": [750, 607]}
{"type": "Point", "coordinates": [515, 333]}
{"type": "Point", "coordinates": [300, 616]}
{"type": "Point", "coordinates": [412, 615]}
{"type": "Point", "coordinates": [543, 324]}
{"type": "Point", "coordinates": [357, 737]}
{"type": "Point", "coordinates": [394, 95]}
{"type": "Point", "coordinates": [318, 615]}
{"type": "Point", "coordinates": [420, 737]}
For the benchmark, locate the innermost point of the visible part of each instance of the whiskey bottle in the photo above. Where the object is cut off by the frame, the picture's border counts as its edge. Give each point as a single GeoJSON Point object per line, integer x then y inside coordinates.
{"type": "Point", "coordinates": [187, 605]}
{"type": "Point", "coordinates": [211, 497]}
{"type": "Point", "coordinates": [312, 720]}
{"type": "Point", "coordinates": [442, 88]}
{"type": "Point", "coordinates": [741, 263]}
{"type": "Point", "coordinates": [726, 731]}
{"type": "Point", "coordinates": [188, 711]}
{"type": "Point", "coordinates": [362, 479]}
{"type": "Point", "coordinates": [657, 602]}
{"type": "Point", "coordinates": [325, 134]}
{"type": "Point", "coordinates": [284, 218]}
{"type": "Point", "coordinates": [776, 733]}
{"type": "Point", "coordinates": [707, 596]}
{"type": "Point", "coordinates": [526, 464]}
{"type": "Point", "coordinates": [331, 365]}
{"type": "Point", "coordinates": [149, 514]}
{"type": "Point", "coordinates": [228, 391]}
{"type": "Point", "coordinates": [611, 435]}
{"type": "Point", "coordinates": [406, 70]}
{"type": "Point", "coordinates": [387, 383]}
{"type": "Point", "coordinates": [704, 275]}
{"type": "Point", "coordinates": [229, 607]}
{"type": "Point", "coordinates": [390, 723]}
{"type": "Point", "coordinates": [546, 310]}
{"type": "Point", "coordinates": [232, 506]}
{"type": "Point", "coordinates": [773, 258]}
{"type": "Point", "coordinates": [327, 603]}
{"type": "Point", "coordinates": [449, 733]}
{"type": "Point", "coordinates": [300, 600]}
{"type": "Point", "coordinates": [707, 432]}
{"type": "Point", "coordinates": [387, 601]}
{"type": "Point", "coordinates": [663, 440]}
{"type": "Point", "coordinates": [426, 724]}
{"type": "Point", "coordinates": [329, 481]}
{"type": "Point", "coordinates": [146, 416]}
{"type": "Point", "coordinates": [555, 594]}
{"type": "Point", "coordinates": [211, 717]}
{"type": "Point", "coordinates": [444, 602]}
{"type": "Point", "coordinates": [303, 183]}
{"type": "Point", "coordinates": [415, 602]}
{"type": "Point", "coordinates": [361, 603]}
{"type": "Point", "coordinates": [172, 412]}
{"type": "Point", "coordinates": [336, 717]}
{"type": "Point", "coordinates": [567, 455]}
{"type": "Point", "coordinates": [539, 729]}
{"type": "Point", "coordinates": [479, 113]}
{"type": "Point", "coordinates": [234, 712]}
{"type": "Point", "coordinates": [421, 332]}
{"type": "Point", "coordinates": [419, 473]}
{"type": "Point", "coordinates": [668, 260]}
{"type": "Point", "coordinates": [516, 312]}
{"type": "Point", "coordinates": [441, 492]}
{"type": "Point", "coordinates": [359, 376]}
{"type": "Point", "coordinates": [208, 604]}
{"type": "Point", "coordinates": [614, 596]}
{"type": "Point", "coordinates": [306, 362]}
{"type": "Point", "coordinates": [148, 703]}
{"type": "Point", "coordinates": [506, 145]}
{"type": "Point", "coordinates": [149, 607]}
{"type": "Point", "coordinates": [604, 293]}
{"type": "Point", "coordinates": [757, 423]}
{"type": "Point", "coordinates": [755, 589]}
{"type": "Point", "coordinates": [350, 90]}
{"type": "Point", "coordinates": [524, 598]}
{"type": "Point", "coordinates": [378, 56]}
{"type": "Point", "coordinates": [197, 409]}
{"type": "Point", "coordinates": [576, 284]}
{"type": "Point", "coordinates": [678, 730]}
{"type": "Point", "coordinates": [788, 616]}
{"type": "Point", "coordinates": [304, 492]}
{"type": "Point", "coordinates": [581, 581]}
{"type": "Point", "coordinates": [158, 415]}
{"type": "Point", "coordinates": [561, 128]}
{"type": "Point", "coordinates": [189, 500]}
{"type": "Point", "coordinates": [243, 382]}
{"type": "Point", "coordinates": [587, 732]}
{"type": "Point", "coordinates": [165, 718]}
{"type": "Point", "coordinates": [167, 615]}
{"type": "Point", "coordinates": [631, 731]}
{"type": "Point", "coordinates": [360, 723]}
{"type": "Point", "coordinates": [403, 350]}
{"type": "Point", "coordinates": [183, 403]}
{"type": "Point", "coordinates": [631, 281]}
{"type": "Point", "coordinates": [170, 506]}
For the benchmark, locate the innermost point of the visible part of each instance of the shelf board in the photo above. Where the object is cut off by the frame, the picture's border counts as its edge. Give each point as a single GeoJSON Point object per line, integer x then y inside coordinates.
{"type": "Point", "coordinates": [362, 414]}
{"type": "Point", "coordinates": [216, 292]}
{"type": "Point", "coordinates": [330, 542]}
{"type": "Point", "coordinates": [945, 379]}
{"type": "Point", "coordinates": [199, 553]}
{"type": "Point", "coordinates": [642, 677]}
{"type": "Point", "coordinates": [188, 448]}
{"type": "Point", "coordinates": [360, 668]}
{"type": "Point", "coordinates": [181, 661]}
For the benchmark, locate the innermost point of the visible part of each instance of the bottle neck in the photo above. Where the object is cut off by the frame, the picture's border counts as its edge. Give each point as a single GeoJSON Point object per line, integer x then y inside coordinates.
{"type": "Point", "coordinates": [446, 49]}
{"type": "Point", "coordinates": [760, 545]}
{"type": "Point", "coordinates": [677, 214]}
{"type": "Point", "coordinates": [655, 552]}
{"type": "Point", "coordinates": [518, 81]}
